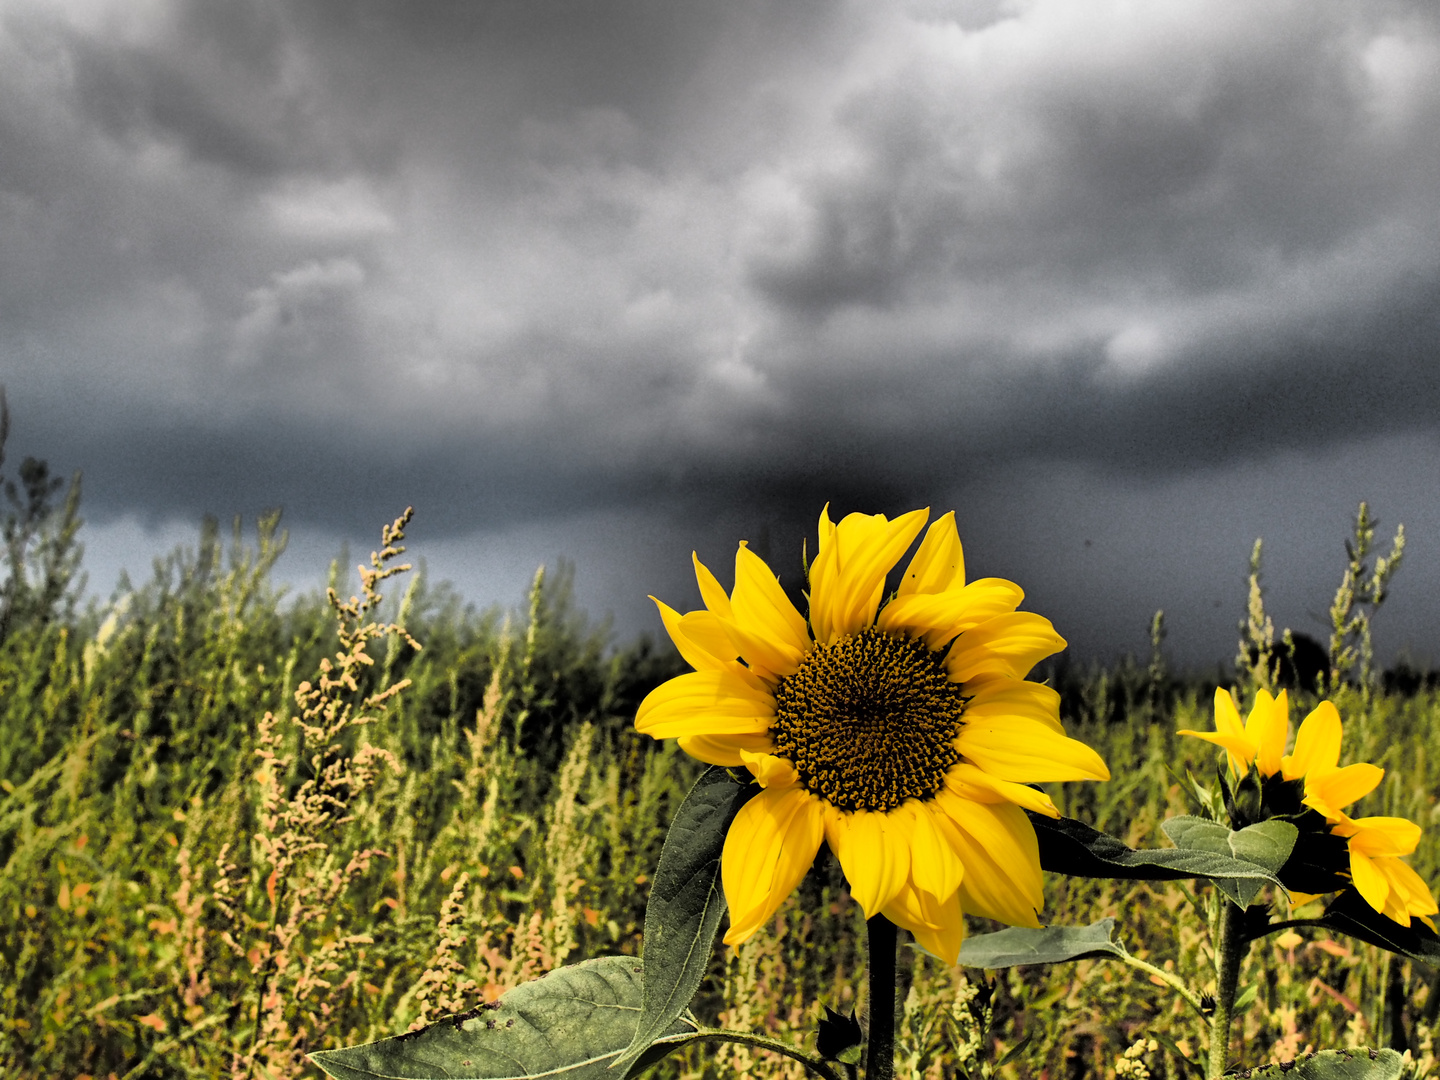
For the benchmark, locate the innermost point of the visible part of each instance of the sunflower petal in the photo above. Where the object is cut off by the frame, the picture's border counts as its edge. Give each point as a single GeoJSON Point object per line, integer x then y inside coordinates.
{"type": "Point", "coordinates": [1373, 836]}
{"type": "Point", "coordinates": [1004, 645]}
{"type": "Point", "coordinates": [711, 591]}
{"type": "Point", "coordinates": [934, 865]}
{"type": "Point", "coordinates": [974, 783]}
{"type": "Point", "coordinates": [771, 844]}
{"type": "Point", "coordinates": [769, 770]}
{"type": "Point", "coordinates": [769, 632]}
{"type": "Point", "coordinates": [937, 925]}
{"type": "Point", "coordinates": [997, 844]}
{"type": "Point", "coordinates": [941, 617]}
{"type": "Point", "coordinates": [697, 647]}
{"type": "Point", "coordinates": [1267, 727]}
{"type": "Point", "coordinates": [1317, 744]}
{"type": "Point", "coordinates": [1409, 885]}
{"type": "Point", "coordinates": [1369, 882]}
{"type": "Point", "coordinates": [874, 852]}
{"type": "Point", "coordinates": [705, 703]}
{"type": "Point", "coordinates": [939, 563]}
{"type": "Point", "coordinates": [1334, 790]}
{"type": "Point", "coordinates": [995, 697]}
{"type": "Point", "coordinates": [725, 749]}
{"type": "Point", "coordinates": [1027, 752]}
{"type": "Point", "coordinates": [848, 576]}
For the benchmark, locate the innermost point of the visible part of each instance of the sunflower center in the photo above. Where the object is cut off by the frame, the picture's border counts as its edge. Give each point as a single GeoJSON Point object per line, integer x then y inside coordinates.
{"type": "Point", "coordinates": [869, 721]}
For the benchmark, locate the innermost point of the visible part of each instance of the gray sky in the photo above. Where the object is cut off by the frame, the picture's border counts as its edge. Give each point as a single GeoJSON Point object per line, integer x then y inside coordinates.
{"type": "Point", "coordinates": [1126, 284]}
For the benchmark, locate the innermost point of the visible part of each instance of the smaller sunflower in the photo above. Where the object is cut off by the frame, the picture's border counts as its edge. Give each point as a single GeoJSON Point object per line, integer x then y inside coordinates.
{"type": "Point", "coordinates": [1312, 771]}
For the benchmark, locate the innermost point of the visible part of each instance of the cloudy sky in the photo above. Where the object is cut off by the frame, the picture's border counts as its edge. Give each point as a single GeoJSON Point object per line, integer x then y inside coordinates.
{"type": "Point", "coordinates": [1126, 283]}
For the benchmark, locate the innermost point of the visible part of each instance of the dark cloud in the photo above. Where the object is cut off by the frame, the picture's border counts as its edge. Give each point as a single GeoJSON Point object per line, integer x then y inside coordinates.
{"type": "Point", "coordinates": [523, 261]}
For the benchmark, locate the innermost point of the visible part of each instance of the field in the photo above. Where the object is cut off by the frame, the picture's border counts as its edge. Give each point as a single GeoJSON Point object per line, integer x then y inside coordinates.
{"type": "Point", "coordinates": [238, 826]}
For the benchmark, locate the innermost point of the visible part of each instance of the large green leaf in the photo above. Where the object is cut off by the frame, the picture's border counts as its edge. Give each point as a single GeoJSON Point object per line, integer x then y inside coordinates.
{"type": "Point", "coordinates": [1048, 945]}
{"type": "Point", "coordinates": [686, 904]}
{"type": "Point", "coordinates": [1338, 1065]}
{"type": "Point", "coordinates": [1267, 844]}
{"type": "Point", "coordinates": [570, 1025]}
{"type": "Point", "coordinates": [1071, 847]}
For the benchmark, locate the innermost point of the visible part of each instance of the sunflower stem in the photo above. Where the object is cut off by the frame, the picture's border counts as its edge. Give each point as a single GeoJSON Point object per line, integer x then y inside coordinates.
{"type": "Point", "coordinates": [1230, 949]}
{"type": "Point", "coordinates": [880, 1038]}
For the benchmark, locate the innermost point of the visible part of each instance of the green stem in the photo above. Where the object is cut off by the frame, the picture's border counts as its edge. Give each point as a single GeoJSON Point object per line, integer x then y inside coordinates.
{"type": "Point", "coordinates": [880, 1038]}
{"type": "Point", "coordinates": [815, 1065]}
{"type": "Point", "coordinates": [1230, 949]}
{"type": "Point", "coordinates": [1170, 979]}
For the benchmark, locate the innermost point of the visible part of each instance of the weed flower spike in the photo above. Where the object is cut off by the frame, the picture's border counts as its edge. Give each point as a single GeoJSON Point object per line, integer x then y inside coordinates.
{"type": "Point", "coordinates": [903, 733]}
{"type": "Point", "coordinates": [1310, 777]}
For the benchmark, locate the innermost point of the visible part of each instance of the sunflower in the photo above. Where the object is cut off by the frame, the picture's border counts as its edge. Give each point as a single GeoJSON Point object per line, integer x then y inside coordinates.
{"type": "Point", "coordinates": [901, 732]}
{"type": "Point", "coordinates": [1375, 844]}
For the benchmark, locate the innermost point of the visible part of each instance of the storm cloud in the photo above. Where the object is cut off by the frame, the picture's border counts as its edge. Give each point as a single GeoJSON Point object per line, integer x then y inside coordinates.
{"type": "Point", "coordinates": [564, 270]}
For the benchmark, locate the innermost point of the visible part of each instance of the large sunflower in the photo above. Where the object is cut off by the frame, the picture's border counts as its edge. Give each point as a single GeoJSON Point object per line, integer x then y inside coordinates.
{"type": "Point", "coordinates": [902, 733]}
{"type": "Point", "coordinates": [1374, 844]}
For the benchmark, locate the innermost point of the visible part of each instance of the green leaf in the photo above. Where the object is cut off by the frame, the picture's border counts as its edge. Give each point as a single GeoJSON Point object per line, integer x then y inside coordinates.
{"type": "Point", "coordinates": [1249, 994]}
{"type": "Point", "coordinates": [686, 904]}
{"type": "Point", "coordinates": [1339, 1065]}
{"type": "Point", "coordinates": [1014, 1052]}
{"type": "Point", "coordinates": [570, 1025]}
{"type": "Point", "coordinates": [1071, 847]}
{"type": "Point", "coordinates": [1047, 945]}
{"type": "Point", "coordinates": [1266, 844]}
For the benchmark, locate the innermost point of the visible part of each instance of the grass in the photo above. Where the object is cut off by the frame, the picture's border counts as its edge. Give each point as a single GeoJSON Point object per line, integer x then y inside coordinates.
{"type": "Point", "coordinates": [237, 827]}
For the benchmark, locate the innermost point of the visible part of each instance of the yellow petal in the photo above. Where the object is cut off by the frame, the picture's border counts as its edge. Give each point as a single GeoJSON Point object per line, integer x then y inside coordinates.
{"type": "Point", "coordinates": [1267, 728]}
{"type": "Point", "coordinates": [771, 844]}
{"type": "Point", "coordinates": [1227, 716]}
{"type": "Point", "coordinates": [1027, 752]}
{"type": "Point", "coordinates": [1411, 886]}
{"type": "Point", "coordinates": [769, 770]}
{"type": "Point", "coordinates": [705, 703]}
{"type": "Point", "coordinates": [1369, 882]}
{"type": "Point", "coordinates": [769, 632]}
{"type": "Point", "coordinates": [997, 845]}
{"type": "Point", "coordinates": [1004, 645]}
{"type": "Point", "coordinates": [1238, 748]}
{"type": "Point", "coordinates": [848, 576]}
{"type": "Point", "coordinates": [939, 564]}
{"type": "Point", "coordinates": [1335, 790]}
{"type": "Point", "coordinates": [724, 749]}
{"type": "Point", "coordinates": [938, 926]}
{"type": "Point", "coordinates": [934, 865]}
{"type": "Point", "coordinates": [939, 618]}
{"type": "Point", "coordinates": [974, 783]}
{"type": "Point", "coordinates": [1392, 836]}
{"type": "Point", "coordinates": [1317, 744]}
{"type": "Point", "coordinates": [996, 697]}
{"type": "Point", "coordinates": [696, 647]}
{"type": "Point", "coordinates": [711, 591]}
{"type": "Point", "coordinates": [874, 852]}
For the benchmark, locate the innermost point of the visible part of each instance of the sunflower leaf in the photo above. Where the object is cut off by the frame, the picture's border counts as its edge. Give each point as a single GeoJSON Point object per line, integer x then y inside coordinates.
{"type": "Point", "coordinates": [1358, 1064]}
{"type": "Point", "coordinates": [1047, 945]}
{"type": "Point", "coordinates": [686, 905]}
{"type": "Point", "coordinates": [570, 1025]}
{"type": "Point", "coordinates": [1267, 844]}
{"type": "Point", "coordinates": [1071, 847]}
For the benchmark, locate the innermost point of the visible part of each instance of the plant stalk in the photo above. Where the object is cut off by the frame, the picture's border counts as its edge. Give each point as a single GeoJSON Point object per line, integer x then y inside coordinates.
{"type": "Point", "coordinates": [880, 1038]}
{"type": "Point", "coordinates": [1230, 949]}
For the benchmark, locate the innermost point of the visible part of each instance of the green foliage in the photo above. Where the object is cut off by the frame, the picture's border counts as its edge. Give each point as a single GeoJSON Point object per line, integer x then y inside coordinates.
{"type": "Point", "coordinates": [228, 841]}
{"type": "Point", "coordinates": [572, 1024]}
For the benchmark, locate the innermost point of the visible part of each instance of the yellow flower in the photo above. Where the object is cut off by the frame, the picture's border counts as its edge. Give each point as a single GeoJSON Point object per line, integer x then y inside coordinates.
{"type": "Point", "coordinates": [1375, 844]}
{"type": "Point", "coordinates": [901, 733]}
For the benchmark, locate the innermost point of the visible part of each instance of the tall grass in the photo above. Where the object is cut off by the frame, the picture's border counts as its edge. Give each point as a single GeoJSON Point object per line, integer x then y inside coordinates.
{"type": "Point", "coordinates": [237, 827]}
